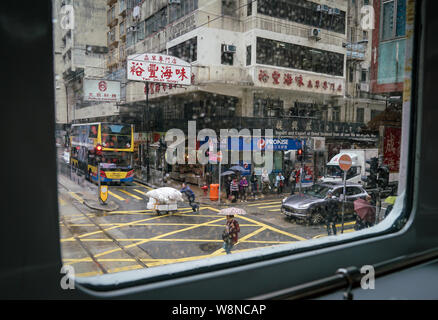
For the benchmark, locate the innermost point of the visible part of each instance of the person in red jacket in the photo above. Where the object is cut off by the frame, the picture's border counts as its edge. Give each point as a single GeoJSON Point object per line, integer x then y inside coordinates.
{"type": "Point", "coordinates": [231, 234]}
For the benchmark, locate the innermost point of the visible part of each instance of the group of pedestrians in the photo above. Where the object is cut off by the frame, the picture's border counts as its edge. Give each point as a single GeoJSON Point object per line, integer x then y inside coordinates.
{"type": "Point", "coordinates": [237, 188]}
{"type": "Point", "coordinates": [365, 216]}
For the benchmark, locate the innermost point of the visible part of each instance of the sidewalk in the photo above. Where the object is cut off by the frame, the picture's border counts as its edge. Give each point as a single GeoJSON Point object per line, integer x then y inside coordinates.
{"type": "Point", "coordinates": [205, 198]}
{"type": "Point", "coordinates": [85, 192]}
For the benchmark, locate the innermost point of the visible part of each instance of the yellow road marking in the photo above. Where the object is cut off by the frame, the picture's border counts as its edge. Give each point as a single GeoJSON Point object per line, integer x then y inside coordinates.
{"type": "Point", "coordinates": [158, 237]}
{"type": "Point", "coordinates": [143, 185]}
{"type": "Point", "coordinates": [251, 234]}
{"type": "Point", "coordinates": [267, 227]}
{"type": "Point", "coordinates": [130, 194]}
{"type": "Point", "coordinates": [272, 206]}
{"type": "Point", "coordinates": [274, 229]}
{"type": "Point", "coordinates": [74, 195]}
{"type": "Point", "coordinates": [118, 226]}
{"type": "Point", "coordinates": [263, 203]}
{"type": "Point", "coordinates": [152, 224]}
{"type": "Point", "coordinates": [275, 210]}
{"type": "Point", "coordinates": [136, 190]}
{"type": "Point", "coordinates": [116, 196]}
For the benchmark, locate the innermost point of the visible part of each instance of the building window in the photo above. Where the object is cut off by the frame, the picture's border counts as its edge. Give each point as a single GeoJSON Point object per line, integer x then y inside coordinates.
{"type": "Point", "coordinates": [393, 19]}
{"type": "Point", "coordinates": [248, 55]}
{"type": "Point", "coordinates": [360, 115]}
{"type": "Point", "coordinates": [336, 114]}
{"type": "Point", "coordinates": [288, 55]}
{"type": "Point", "coordinates": [140, 31]}
{"type": "Point", "coordinates": [227, 57]}
{"type": "Point", "coordinates": [266, 107]}
{"type": "Point", "coordinates": [229, 7]}
{"type": "Point", "coordinates": [363, 77]}
{"type": "Point", "coordinates": [187, 50]}
{"type": "Point", "coordinates": [305, 12]}
{"type": "Point", "coordinates": [249, 8]}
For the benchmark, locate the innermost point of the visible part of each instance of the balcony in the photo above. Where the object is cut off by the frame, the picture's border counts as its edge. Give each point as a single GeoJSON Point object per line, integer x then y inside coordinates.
{"type": "Point", "coordinates": [112, 60]}
{"type": "Point", "coordinates": [356, 51]}
{"type": "Point", "coordinates": [112, 40]}
{"type": "Point", "coordinates": [111, 18]}
{"type": "Point", "coordinates": [122, 9]}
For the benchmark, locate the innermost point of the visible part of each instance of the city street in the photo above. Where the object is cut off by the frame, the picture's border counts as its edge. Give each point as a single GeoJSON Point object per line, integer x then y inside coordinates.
{"type": "Point", "coordinates": [132, 237]}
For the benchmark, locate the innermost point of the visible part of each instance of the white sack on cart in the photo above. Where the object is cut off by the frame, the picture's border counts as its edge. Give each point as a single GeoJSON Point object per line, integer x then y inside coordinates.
{"type": "Point", "coordinates": [165, 195]}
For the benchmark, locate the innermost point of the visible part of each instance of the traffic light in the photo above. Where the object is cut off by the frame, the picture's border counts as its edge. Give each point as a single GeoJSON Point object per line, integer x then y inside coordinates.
{"type": "Point", "coordinates": [98, 149]}
{"type": "Point", "coordinates": [382, 176]}
{"type": "Point", "coordinates": [300, 154]}
{"type": "Point", "coordinates": [371, 179]}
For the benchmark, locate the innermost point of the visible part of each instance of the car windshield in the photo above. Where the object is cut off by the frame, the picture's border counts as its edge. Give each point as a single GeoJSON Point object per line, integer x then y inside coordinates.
{"type": "Point", "coordinates": [317, 190]}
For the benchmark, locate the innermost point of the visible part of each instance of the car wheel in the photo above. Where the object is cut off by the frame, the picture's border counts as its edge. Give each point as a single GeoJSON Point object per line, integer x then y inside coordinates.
{"type": "Point", "coordinates": [316, 217]}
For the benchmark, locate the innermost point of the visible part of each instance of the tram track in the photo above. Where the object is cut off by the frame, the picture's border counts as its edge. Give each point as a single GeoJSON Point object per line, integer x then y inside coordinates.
{"type": "Point", "coordinates": [101, 229]}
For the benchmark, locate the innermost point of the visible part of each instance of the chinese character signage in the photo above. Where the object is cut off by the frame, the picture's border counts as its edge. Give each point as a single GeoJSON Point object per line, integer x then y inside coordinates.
{"type": "Point", "coordinates": [101, 90]}
{"type": "Point", "coordinates": [159, 68]}
{"type": "Point", "coordinates": [301, 81]}
{"type": "Point", "coordinates": [391, 148]}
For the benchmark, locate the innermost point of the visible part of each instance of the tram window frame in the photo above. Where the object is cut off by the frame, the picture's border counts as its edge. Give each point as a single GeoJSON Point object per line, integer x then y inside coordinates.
{"type": "Point", "coordinates": [228, 269]}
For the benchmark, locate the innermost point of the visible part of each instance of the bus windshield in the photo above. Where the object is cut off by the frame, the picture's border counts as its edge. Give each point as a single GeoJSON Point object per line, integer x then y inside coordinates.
{"type": "Point", "coordinates": [117, 159]}
{"type": "Point", "coordinates": [117, 136]}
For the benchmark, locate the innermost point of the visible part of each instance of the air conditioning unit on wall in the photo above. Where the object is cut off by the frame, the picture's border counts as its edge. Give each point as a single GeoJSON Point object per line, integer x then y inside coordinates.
{"type": "Point", "coordinates": [315, 33]}
{"type": "Point", "coordinates": [228, 48]}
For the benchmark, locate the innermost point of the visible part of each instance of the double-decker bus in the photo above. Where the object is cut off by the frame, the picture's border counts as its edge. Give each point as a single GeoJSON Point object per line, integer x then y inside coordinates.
{"type": "Point", "coordinates": [111, 144]}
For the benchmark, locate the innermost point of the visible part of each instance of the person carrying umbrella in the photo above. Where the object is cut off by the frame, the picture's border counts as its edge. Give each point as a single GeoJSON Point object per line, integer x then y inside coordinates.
{"type": "Point", "coordinates": [366, 213]}
{"type": "Point", "coordinates": [230, 235]}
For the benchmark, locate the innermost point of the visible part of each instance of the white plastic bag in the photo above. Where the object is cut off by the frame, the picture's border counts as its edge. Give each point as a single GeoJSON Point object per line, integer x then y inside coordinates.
{"type": "Point", "coordinates": [165, 195]}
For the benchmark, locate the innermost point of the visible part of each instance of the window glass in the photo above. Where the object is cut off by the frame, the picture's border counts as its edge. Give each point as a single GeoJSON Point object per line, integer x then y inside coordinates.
{"type": "Point", "coordinates": [388, 20]}
{"type": "Point", "coordinates": [183, 71]}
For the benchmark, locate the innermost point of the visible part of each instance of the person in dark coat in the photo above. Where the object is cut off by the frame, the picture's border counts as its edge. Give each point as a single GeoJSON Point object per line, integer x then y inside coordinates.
{"type": "Point", "coordinates": [190, 196]}
{"type": "Point", "coordinates": [331, 213]}
{"type": "Point", "coordinates": [293, 181]}
{"type": "Point", "coordinates": [227, 186]}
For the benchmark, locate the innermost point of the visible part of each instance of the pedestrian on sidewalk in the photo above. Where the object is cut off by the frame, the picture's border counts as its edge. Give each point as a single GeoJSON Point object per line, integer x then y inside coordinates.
{"type": "Point", "coordinates": [230, 234]}
{"type": "Point", "coordinates": [190, 196]}
{"type": "Point", "coordinates": [292, 180]}
{"type": "Point", "coordinates": [266, 184]}
{"type": "Point", "coordinates": [243, 189]}
{"type": "Point", "coordinates": [228, 186]}
{"type": "Point", "coordinates": [279, 183]}
{"type": "Point", "coordinates": [331, 216]}
{"type": "Point", "coordinates": [254, 185]}
{"type": "Point", "coordinates": [234, 188]}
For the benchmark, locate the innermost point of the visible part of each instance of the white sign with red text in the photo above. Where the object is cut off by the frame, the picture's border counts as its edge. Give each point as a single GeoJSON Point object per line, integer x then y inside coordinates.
{"type": "Point", "coordinates": [154, 67]}
{"type": "Point", "coordinates": [101, 90]}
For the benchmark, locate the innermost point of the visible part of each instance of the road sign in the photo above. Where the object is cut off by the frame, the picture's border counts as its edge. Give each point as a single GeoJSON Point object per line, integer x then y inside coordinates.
{"type": "Point", "coordinates": [345, 162]}
{"type": "Point", "coordinates": [159, 68]}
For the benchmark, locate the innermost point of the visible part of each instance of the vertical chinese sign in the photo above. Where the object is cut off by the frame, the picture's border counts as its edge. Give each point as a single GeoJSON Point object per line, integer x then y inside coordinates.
{"type": "Point", "coordinates": [391, 148]}
{"type": "Point", "coordinates": [159, 68]}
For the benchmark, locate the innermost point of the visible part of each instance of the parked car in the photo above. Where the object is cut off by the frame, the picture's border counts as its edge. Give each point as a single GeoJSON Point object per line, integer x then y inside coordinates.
{"type": "Point", "coordinates": [310, 205]}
